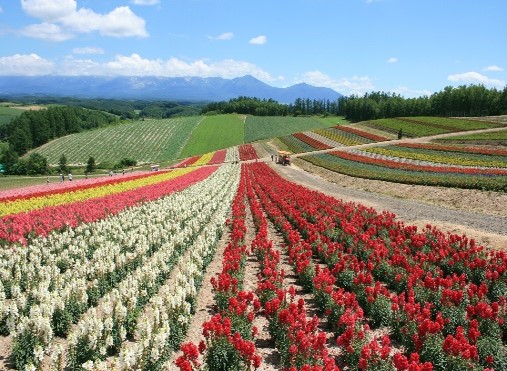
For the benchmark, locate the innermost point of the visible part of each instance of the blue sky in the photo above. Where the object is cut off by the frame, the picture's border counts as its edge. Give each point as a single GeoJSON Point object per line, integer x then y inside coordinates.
{"type": "Point", "coordinates": [409, 47]}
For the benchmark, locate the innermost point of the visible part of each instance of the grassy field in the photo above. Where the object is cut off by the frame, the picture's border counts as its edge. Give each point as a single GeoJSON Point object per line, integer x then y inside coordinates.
{"type": "Point", "coordinates": [143, 141]}
{"type": "Point", "coordinates": [262, 127]}
{"type": "Point", "coordinates": [215, 132]}
{"type": "Point", "coordinates": [7, 114]}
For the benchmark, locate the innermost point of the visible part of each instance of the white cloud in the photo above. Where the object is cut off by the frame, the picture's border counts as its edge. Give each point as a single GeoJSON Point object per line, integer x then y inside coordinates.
{"type": "Point", "coordinates": [392, 60]}
{"type": "Point", "coordinates": [26, 64]}
{"type": "Point", "coordinates": [120, 22]}
{"type": "Point", "coordinates": [357, 85]}
{"type": "Point", "coordinates": [493, 69]}
{"type": "Point", "coordinates": [88, 50]}
{"type": "Point", "coordinates": [224, 36]}
{"type": "Point", "coordinates": [47, 31]}
{"type": "Point", "coordinates": [136, 65]}
{"type": "Point", "coordinates": [259, 40]}
{"type": "Point", "coordinates": [145, 2]}
{"type": "Point", "coordinates": [411, 93]}
{"type": "Point", "coordinates": [475, 78]}
{"type": "Point", "coordinates": [49, 10]}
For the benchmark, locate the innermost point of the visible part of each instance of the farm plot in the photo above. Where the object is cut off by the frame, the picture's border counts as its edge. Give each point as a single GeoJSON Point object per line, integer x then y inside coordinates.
{"type": "Point", "coordinates": [143, 141]}
{"type": "Point", "coordinates": [402, 170]}
{"type": "Point", "coordinates": [388, 297]}
{"type": "Point", "coordinates": [449, 155]}
{"type": "Point", "coordinates": [425, 126]}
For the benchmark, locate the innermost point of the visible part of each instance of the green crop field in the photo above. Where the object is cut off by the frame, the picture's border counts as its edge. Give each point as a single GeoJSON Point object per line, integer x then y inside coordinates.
{"type": "Point", "coordinates": [215, 132]}
{"type": "Point", "coordinates": [7, 113]}
{"type": "Point", "coordinates": [143, 141]}
{"type": "Point", "coordinates": [265, 127]}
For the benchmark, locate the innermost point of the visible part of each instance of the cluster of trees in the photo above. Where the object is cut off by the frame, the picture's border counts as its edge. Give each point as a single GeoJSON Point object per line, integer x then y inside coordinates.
{"type": "Point", "coordinates": [270, 107]}
{"type": "Point", "coordinates": [34, 128]}
{"type": "Point", "coordinates": [462, 101]}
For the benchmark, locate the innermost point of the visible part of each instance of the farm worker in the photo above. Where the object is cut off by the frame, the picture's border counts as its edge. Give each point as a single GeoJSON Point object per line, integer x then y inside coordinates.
{"type": "Point", "coordinates": [70, 177]}
{"type": "Point", "coordinates": [62, 178]}
{"type": "Point", "coordinates": [272, 157]}
{"type": "Point", "coordinates": [47, 180]}
{"type": "Point", "coordinates": [110, 172]}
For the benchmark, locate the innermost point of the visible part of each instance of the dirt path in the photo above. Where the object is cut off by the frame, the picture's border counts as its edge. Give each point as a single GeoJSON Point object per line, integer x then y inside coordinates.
{"type": "Point", "coordinates": [478, 214]}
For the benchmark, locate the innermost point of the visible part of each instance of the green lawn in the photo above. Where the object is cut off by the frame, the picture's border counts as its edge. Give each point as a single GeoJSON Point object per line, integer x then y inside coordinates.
{"type": "Point", "coordinates": [215, 132]}
{"type": "Point", "coordinates": [266, 127]}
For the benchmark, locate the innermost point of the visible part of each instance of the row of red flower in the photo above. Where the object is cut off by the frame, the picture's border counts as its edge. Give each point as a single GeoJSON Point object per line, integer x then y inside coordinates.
{"type": "Point", "coordinates": [247, 152]}
{"type": "Point", "coordinates": [430, 288]}
{"type": "Point", "coordinates": [361, 133]}
{"type": "Point", "coordinates": [311, 141]}
{"type": "Point", "coordinates": [17, 227]}
{"type": "Point", "coordinates": [229, 333]}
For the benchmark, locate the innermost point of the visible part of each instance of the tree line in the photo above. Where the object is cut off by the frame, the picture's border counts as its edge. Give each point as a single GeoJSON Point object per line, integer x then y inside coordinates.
{"type": "Point", "coordinates": [462, 101]}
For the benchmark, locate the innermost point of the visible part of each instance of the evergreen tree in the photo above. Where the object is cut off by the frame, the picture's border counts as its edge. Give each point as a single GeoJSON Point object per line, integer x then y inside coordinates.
{"type": "Point", "coordinates": [90, 165]}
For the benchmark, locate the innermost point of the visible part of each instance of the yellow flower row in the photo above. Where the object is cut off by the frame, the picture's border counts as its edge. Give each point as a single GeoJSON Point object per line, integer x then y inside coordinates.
{"type": "Point", "coordinates": [25, 205]}
{"type": "Point", "coordinates": [204, 159]}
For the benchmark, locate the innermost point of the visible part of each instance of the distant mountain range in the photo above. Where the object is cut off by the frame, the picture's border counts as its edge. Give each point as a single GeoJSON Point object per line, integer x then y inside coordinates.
{"type": "Point", "coordinates": [154, 88]}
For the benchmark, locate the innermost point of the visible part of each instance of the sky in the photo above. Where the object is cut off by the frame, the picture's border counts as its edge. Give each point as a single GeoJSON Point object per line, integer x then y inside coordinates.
{"type": "Point", "coordinates": [408, 47]}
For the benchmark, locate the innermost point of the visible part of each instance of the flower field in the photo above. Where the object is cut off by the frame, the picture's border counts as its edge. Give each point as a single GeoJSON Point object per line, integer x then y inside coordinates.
{"type": "Point", "coordinates": [327, 138]}
{"type": "Point", "coordinates": [426, 164]}
{"type": "Point", "coordinates": [424, 126]}
{"type": "Point", "coordinates": [104, 275]}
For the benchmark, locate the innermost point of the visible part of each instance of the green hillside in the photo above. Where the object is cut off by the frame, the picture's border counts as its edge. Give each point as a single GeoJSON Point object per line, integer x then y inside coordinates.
{"type": "Point", "coordinates": [144, 141]}
{"type": "Point", "coordinates": [215, 132]}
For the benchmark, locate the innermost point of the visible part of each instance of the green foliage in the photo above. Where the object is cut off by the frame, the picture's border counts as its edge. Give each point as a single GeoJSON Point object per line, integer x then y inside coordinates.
{"type": "Point", "coordinates": [90, 165]}
{"type": "Point", "coordinates": [215, 132]}
{"type": "Point", "coordinates": [62, 164]}
{"type": "Point", "coordinates": [37, 164]}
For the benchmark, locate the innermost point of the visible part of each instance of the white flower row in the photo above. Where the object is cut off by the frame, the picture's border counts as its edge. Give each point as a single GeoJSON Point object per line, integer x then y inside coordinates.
{"type": "Point", "coordinates": [232, 154]}
{"type": "Point", "coordinates": [168, 223]}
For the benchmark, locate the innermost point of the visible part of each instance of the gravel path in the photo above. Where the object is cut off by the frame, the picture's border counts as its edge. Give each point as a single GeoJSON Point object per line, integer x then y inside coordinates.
{"type": "Point", "coordinates": [408, 210]}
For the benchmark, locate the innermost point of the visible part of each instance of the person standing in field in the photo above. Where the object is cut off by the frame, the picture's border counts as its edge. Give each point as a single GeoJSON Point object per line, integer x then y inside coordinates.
{"type": "Point", "coordinates": [62, 178]}
{"type": "Point", "coordinates": [70, 177]}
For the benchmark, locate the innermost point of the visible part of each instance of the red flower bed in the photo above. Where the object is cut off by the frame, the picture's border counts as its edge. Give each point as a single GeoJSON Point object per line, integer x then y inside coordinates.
{"type": "Point", "coordinates": [443, 297]}
{"type": "Point", "coordinates": [247, 152]}
{"type": "Point", "coordinates": [311, 141]}
{"type": "Point", "coordinates": [218, 157]}
{"type": "Point", "coordinates": [361, 133]}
